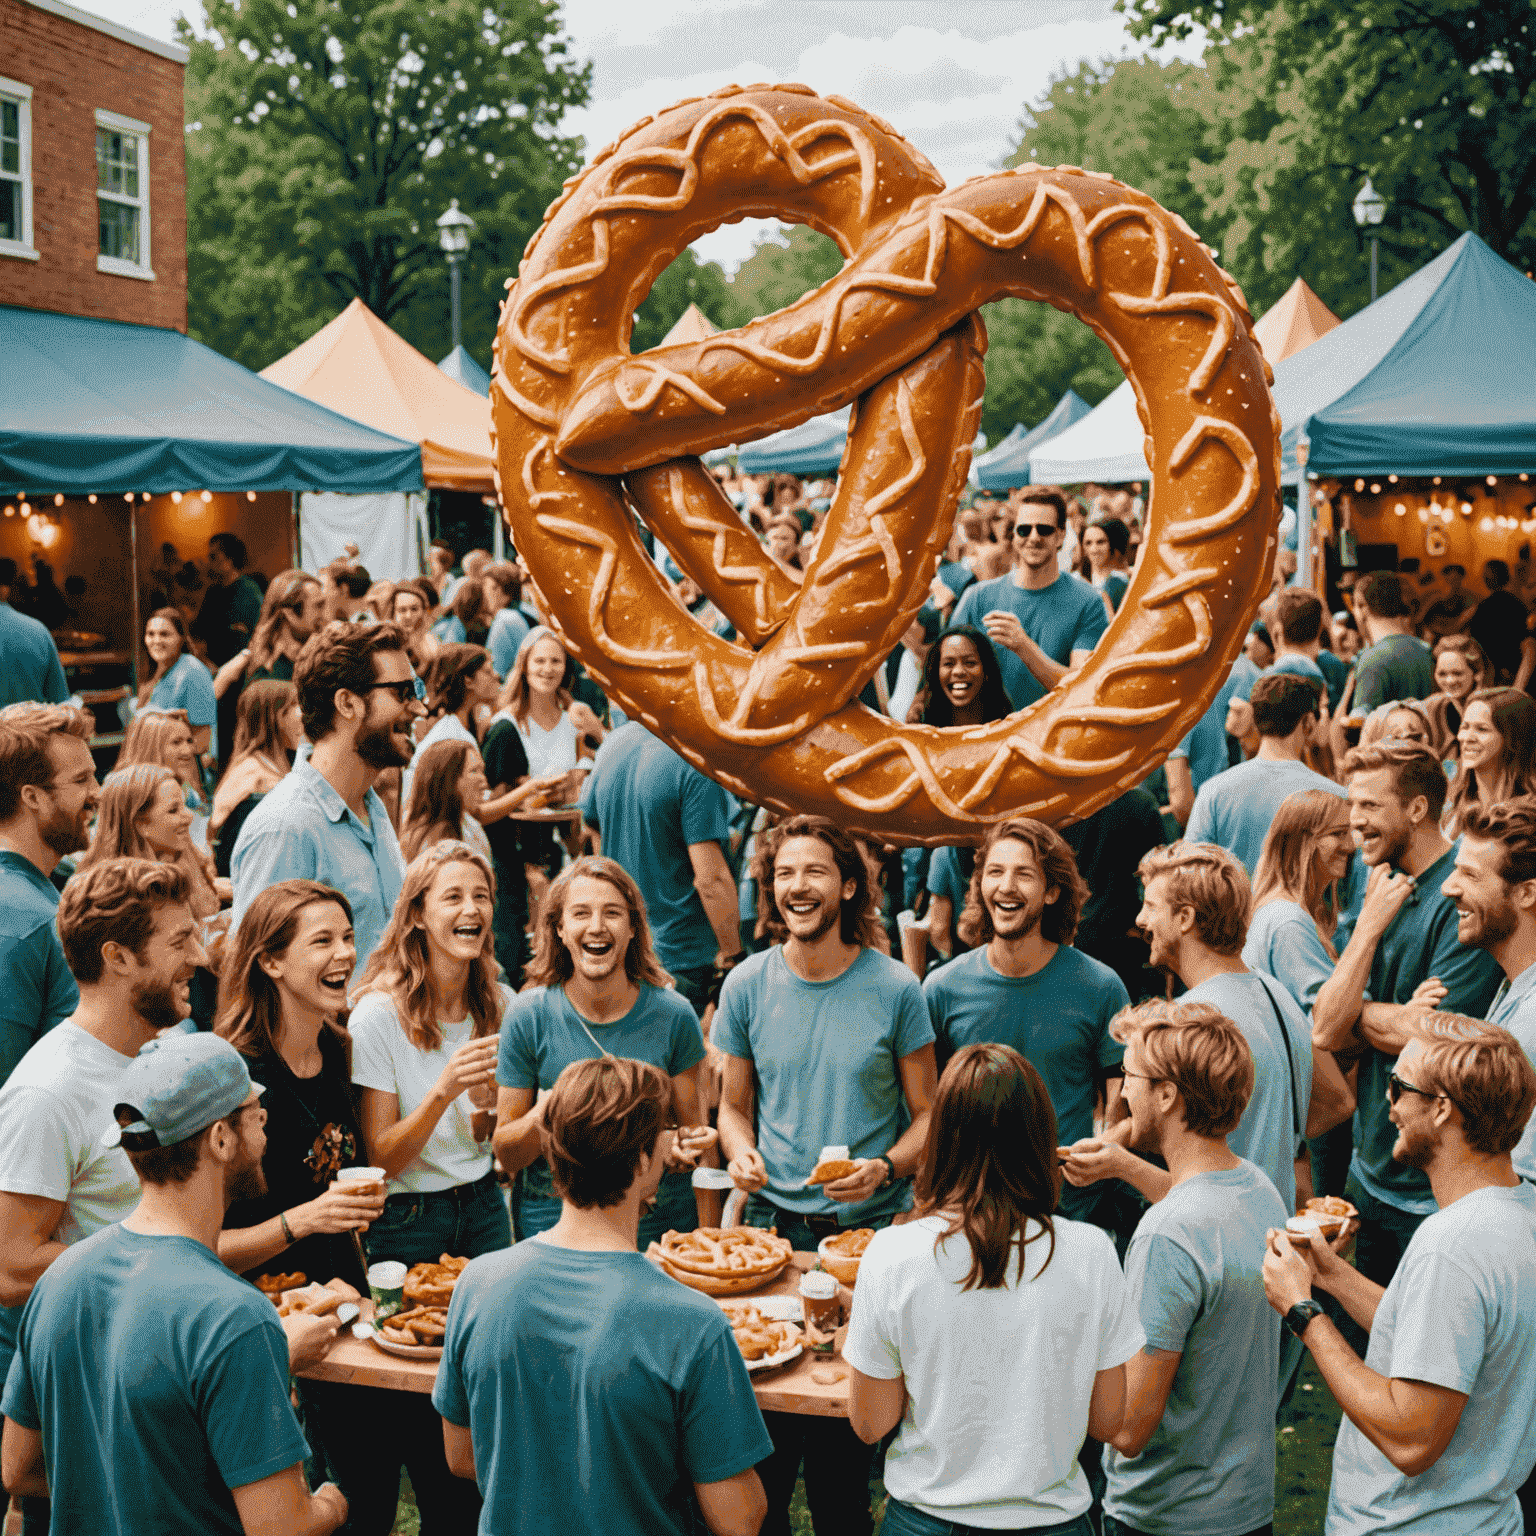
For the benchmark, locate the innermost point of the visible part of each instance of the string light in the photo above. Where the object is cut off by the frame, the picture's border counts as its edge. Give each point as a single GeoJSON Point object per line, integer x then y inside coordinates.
{"type": "Point", "coordinates": [206, 495]}
{"type": "Point", "coordinates": [92, 498]}
{"type": "Point", "coordinates": [1435, 481]}
{"type": "Point", "coordinates": [1493, 479]}
{"type": "Point", "coordinates": [10, 511]}
{"type": "Point", "coordinates": [1375, 490]}
{"type": "Point", "coordinates": [250, 495]}
{"type": "Point", "coordinates": [176, 497]}
{"type": "Point", "coordinates": [1359, 485]}
{"type": "Point", "coordinates": [1391, 479]}
{"type": "Point", "coordinates": [1486, 526]}
{"type": "Point", "coordinates": [1401, 510]}
{"type": "Point", "coordinates": [58, 498]}
{"type": "Point", "coordinates": [26, 509]}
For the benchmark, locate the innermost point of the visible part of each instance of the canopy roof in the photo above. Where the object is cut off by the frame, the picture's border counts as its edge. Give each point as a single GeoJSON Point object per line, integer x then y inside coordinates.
{"type": "Point", "coordinates": [1294, 322]}
{"type": "Point", "coordinates": [1432, 379]}
{"type": "Point", "coordinates": [97, 405]}
{"type": "Point", "coordinates": [463, 369]}
{"type": "Point", "coordinates": [1007, 465]}
{"type": "Point", "coordinates": [1105, 446]}
{"type": "Point", "coordinates": [815, 447]}
{"type": "Point", "coordinates": [692, 325]}
{"type": "Point", "coordinates": [358, 366]}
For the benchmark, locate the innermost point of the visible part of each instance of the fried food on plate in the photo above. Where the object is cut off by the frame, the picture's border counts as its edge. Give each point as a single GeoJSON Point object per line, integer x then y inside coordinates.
{"type": "Point", "coordinates": [275, 1285]}
{"type": "Point", "coordinates": [757, 1336]}
{"type": "Point", "coordinates": [722, 1260]}
{"type": "Point", "coordinates": [420, 1326]}
{"type": "Point", "coordinates": [431, 1285]}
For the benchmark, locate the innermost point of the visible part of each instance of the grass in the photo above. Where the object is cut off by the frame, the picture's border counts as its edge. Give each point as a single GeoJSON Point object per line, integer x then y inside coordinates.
{"type": "Point", "coordinates": [1303, 1465]}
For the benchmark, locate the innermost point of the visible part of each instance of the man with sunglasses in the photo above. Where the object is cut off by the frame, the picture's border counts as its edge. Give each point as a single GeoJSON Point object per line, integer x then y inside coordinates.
{"type": "Point", "coordinates": [1040, 619]}
{"type": "Point", "coordinates": [1441, 1414]}
{"type": "Point", "coordinates": [324, 821]}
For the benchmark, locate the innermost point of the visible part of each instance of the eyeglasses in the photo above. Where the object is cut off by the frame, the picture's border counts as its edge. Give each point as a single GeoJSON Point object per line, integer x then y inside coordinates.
{"type": "Point", "coordinates": [404, 691]}
{"type": "Point", "coordinates": [1398, 1086]}
{"type": "Point", "coordinates": [1045, 530]}
{"type": "Point", "coordinates": [1142, 1076]}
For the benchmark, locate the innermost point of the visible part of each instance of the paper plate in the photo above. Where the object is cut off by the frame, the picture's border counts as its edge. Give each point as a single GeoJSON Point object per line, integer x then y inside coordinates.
{"type": "Point", "coordinates": [779, 1309]}
{"type": "Point", "coordinates": [405, 1351]}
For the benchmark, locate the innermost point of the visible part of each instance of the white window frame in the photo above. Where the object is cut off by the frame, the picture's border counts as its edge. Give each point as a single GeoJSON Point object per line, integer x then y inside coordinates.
{"type": "Point", "coordinates": [22, 96]}
{"type": "Point", "coordinates": [115, 122]}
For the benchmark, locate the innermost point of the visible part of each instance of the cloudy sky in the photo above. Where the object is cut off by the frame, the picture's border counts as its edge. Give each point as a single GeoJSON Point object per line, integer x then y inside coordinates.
{"type": "Point", "coordinates": [953, 78]}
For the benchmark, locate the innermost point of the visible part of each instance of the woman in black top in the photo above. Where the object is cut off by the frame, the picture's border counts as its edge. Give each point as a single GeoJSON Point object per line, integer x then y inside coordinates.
{"type": "Point", "coordinates": [282, 985]}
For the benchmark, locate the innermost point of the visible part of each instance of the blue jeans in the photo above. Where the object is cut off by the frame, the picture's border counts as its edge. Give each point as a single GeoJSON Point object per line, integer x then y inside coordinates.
{"type": "Point", "coordinates": [676, 1210]}
{"type": "Point", "coordinates": [907, 1520]}
{"type": "Point", "coordinates": [465, 1221]}
{"type": "Point", "coordinates": [1113, 1527]}
{"type": "Point", "coordinates": [803, 1233]}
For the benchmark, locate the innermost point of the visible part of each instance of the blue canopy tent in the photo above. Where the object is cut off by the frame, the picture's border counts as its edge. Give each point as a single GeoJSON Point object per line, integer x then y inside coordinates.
{"type": "Point", "coordinates": [463, 369]}
{"type": "Point", "coordinates": [815, 447]}
{"type": "Point", "coordinates": [1007, 465]}
{"type": "Point", "coordinates": [100, 406]}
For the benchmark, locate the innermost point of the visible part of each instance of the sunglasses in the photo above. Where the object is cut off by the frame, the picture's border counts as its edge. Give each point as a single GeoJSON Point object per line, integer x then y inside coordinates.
{"type": "Point", "coordinates": [1045, 530]}
{"type": "Point", "coordinates": [1398, 1086]}
{"type": "Point", "coordinates": [403, 691]}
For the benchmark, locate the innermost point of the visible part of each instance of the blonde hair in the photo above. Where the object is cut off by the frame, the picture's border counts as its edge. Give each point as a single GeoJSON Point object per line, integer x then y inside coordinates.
{"type": "Point", "coordinates": [1291, 865]}
{"type": "Point", "coordinates": [126, 793]}
{"type": "Point", "coordinates": [1211, 883]}
{"type": "Point", "coordinates": [514, 692]}
{"type": "Point", "coordinates": [1484, 1072]}
{"type": "Point", "coordinates": [148, 740]}
{"type": "Point", "coordinates": [1201, 1052]}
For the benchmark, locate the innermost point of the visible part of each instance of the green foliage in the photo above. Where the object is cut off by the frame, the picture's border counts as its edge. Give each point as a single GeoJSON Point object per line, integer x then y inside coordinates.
{"type": "Point", "coordinates": [775, 275]}
{"type": "Point", "coordinates": [686, 281]}
{"type": "Point", "coordinates": [1034, 355]}
{"type": "Point", "coordinates": [325, 140]}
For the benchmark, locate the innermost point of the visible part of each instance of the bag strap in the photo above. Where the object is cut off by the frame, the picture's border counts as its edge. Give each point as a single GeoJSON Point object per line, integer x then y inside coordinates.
{"type": "Point", "coordinates": [1290, 1060]}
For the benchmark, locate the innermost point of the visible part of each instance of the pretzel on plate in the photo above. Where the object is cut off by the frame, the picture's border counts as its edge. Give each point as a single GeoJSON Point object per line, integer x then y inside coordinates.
{"type": "Point", "coordinates": [431, 1285]}
{"type": "Point", "coordinates": [852, 1243]}
{"type": "Point", "coordinates": [722, 1261]}
{"type": "Point", "coordinates": [420, 1326]}
{"type": "Point", "coordinates": [757, 1336]}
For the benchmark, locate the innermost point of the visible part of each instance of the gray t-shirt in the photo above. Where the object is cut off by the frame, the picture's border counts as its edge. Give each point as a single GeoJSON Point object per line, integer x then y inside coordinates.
{"type": "Point", "coordinates": [1195, 1268]}
{"type": "Point", "coordinates": [1460, 1313]}
{"type": "Point", "coordinates": [1235, 809]}
{"type": "Point", "coordinates": [1273, 1123]}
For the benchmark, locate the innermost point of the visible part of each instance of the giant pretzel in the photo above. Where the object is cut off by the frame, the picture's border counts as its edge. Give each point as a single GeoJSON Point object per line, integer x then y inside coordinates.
{"type": "Point", "coordinates": [584, 431]}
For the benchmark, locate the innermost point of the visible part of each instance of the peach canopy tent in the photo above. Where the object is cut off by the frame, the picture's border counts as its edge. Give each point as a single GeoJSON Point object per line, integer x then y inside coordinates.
{"type": "Point", "coordinates": [359, 367]}
{"type": "Point", "coordinates": [1295, 321]}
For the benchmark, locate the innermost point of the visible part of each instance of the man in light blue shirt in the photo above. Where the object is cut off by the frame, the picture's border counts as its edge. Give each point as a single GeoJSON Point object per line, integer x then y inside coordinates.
{"type": "Point", "coordinates": [30, 671]}
{"type": "Point", "coordinates": [1203, 752]}
{"type": "Point", "coordinates": [357, 695]}
{"type": "Point", "coordinates": [1040, 620]}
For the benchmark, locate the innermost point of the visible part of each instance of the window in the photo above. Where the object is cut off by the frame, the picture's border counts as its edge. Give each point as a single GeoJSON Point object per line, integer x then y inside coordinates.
{"type": "Point", "coordinates": [122, 195]}
{"type": "Point", "coordinates": [16, 170]}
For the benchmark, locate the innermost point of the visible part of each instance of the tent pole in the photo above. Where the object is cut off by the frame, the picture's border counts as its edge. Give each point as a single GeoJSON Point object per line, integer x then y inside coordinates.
{"type": "Point", "coordinates": [498, 533]}
{"type": "Point", "coordinates": [1303, 515]}
{"type": "Point", "coordinates": [293, 530]}
{"type": "Point", "coordinates": [133, 564]}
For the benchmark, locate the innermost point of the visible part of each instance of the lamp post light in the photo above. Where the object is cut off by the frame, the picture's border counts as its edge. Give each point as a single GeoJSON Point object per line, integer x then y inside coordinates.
{"type": "Point", "coordinates": [453, 232]}
{"type": "Point", "coordinates": [1370, 208]}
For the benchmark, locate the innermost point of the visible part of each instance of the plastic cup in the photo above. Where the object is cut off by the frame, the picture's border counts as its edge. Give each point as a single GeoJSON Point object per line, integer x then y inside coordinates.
{"type": "Point", "coordinates": [386, 1284]}
{"type": "Point", "coordinates": [818, 1300]}
{"type": "Point", "coordinates": [361, 1176]}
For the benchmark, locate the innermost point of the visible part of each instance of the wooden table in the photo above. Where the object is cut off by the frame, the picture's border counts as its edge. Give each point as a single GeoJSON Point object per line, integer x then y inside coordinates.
{"type": "Point", "coordinates": [567, 817]}
{"type": "Point", "coordinates": [789, 1388]}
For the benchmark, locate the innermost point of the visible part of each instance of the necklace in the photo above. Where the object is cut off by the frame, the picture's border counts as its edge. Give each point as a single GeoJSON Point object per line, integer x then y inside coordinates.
{"type": "Point", "coordinates": [334, 1147]}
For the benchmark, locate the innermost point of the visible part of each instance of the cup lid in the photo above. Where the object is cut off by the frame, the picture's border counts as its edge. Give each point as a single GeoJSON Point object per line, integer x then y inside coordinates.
{"type": "Point", "coordinates": [818, 1284]}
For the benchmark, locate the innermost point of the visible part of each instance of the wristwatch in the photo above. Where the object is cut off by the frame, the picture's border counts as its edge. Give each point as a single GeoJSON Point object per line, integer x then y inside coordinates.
{"type": "Point", "coordinates": [1302, 1314]}
{"type": "Point", "coordinates": [891, 1175]}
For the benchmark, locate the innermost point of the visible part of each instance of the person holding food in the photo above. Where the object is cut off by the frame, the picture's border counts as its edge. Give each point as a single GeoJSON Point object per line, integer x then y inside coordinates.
{"type": "Point", "coordinates": [990, 1334]}
{"type": "Point", "coordinates": [596, 989]}
{"type": "Point", "coordinates": [424, 1029]}
{"type": "Point", "coordinates": [582, 1388]}
{"type": "Point", "coordinates": [827, 1045]}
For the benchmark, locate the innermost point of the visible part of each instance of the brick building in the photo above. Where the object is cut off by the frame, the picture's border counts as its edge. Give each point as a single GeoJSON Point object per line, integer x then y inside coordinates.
{"type": "Point", "coordinates": [93, 214]}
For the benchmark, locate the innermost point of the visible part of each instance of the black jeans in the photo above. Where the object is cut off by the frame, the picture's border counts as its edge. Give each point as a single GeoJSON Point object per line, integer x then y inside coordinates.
{"type": "Point", "coordinates": [836, 1466]}
{"type": "Point", "coordinates": [367, 1434]}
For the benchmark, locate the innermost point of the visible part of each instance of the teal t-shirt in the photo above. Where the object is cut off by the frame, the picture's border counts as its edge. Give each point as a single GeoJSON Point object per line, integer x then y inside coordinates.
{"type": "Point", "coordinates": [1234, 810]}
{"type": "Point", "coordinates": [1058, 1019]}
{"type": "Point", "coordinates": [1396, 667]}
{"type": "Point", "coordinates": [825, 1058]}
{"type": "Point", "coordinates": [1206, 744]}
{"type": "Point", "coordinates": [189, 686]}
{"type": "Point", "coordinates": [159, 1381]}
{"type": "Point", "coordinates": [1064, 617]}
{"type": "Point", "coordinates": [1195, 1268]}
{"type": "Point", "coordinates": [596, 1390]}
{"type": "Point", "coordinates": [542, 1034]}
{"type": "Point", "coordinates": [1421, 942]}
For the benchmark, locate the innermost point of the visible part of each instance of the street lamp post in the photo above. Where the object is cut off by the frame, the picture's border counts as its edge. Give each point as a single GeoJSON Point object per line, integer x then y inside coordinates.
{"type": "Point", "coordinates": [453, 232]}
{"type": "Point", "coordinates": [1370, 208]}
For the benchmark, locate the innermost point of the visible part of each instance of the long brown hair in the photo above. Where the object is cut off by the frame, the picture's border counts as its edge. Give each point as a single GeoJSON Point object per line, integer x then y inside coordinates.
{"type": "Point", "coordinates": [250, 1011]}
{"type": "Point", "coordinates": [279, 619]}
{"type": "Point", "coordinates": [989, 1163]}
{"type": "Point", "coordinates": [448, 675]}
{"type": "Point", "coordinates": [1514, 718]}
{"type": "Point", "coordinates": [1291, 864]}
{"type": "Point", "coordinates": [859, 922]}
{"type": "Point", "coordinates": [172, 616]}
{"type": "Point", "coordinates": [126, 793]}
{"type": "Point", "coordinates": [552, 965]}
{"type": "Point", "coordinates": [514, 692]}
{"type": "Point", "coordinates": [257, 728]}
{"type": "Point", "coordinates": [1058, 867]}
{"type": "Point", "coordinates": [436, 810]}
{"type": "Point", "coordinates": [400, 966]}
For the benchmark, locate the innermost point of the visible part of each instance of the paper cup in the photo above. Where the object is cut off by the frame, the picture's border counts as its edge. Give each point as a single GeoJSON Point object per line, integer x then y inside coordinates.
{"type": "Point", "coordinates": [386, 1284]}
{"type": "Point", "coordinates": [361, 1176]}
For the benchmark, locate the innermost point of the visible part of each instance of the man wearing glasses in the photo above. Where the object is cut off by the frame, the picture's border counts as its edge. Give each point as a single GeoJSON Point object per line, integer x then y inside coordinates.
{"type": "Point", "coordinates": [1439, 1434]}
{"type": "Point", "coordinates": [357, 696]}
{"type": "Point", "coordinates": [1041, 620]}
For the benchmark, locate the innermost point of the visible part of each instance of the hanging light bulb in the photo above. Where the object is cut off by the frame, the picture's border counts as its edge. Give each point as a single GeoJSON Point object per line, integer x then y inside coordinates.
{"type": "Point", "coordinates": [250, 495]}
{"type": "Point", "coordinates": [1423, 514]}
{"type": "Point", "coordinates": [206, 495]}
{"type": "Point", "coordinates": [1391, 479]}
{"type": "Point", "coordinates": [92, 498]}
{"type": "Point", "coordinates": [58, 498]}
{"type": "Point", "coordinates": [10, 511]}
{"type": "Point", "coordinates": [1400, 509]}
{"type": "Point", "coordinates": [1486, 526]}
{"type": "Point", "coordinates": [1435, 481]}
{"type": "Point", "coordinates": [176, 497]}
{"type": "Point", "coordinates": [1375, 490]}
{"type": "Point", "coordinates": [1493, 479]}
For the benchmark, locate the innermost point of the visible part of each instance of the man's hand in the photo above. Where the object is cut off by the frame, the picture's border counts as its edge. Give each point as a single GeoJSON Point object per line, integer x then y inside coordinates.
{"type": "Point", "coordinates": [689, 1145]}
{"type": "Point", "coordinates": [1287, 1274]}
{"type": "Point", "coordinates": [1003, 628]}
{"type": "Point", "coordinates": [871, 1175]}
{"type": "Point", "coordinates": [1094, 1158]}
{"type": "Point", "coordinates": [748, 1171]}
{"type": "Point", "coordinates": [309, 1338]}
{"type": "Point", "coordinates": [1429, 993]}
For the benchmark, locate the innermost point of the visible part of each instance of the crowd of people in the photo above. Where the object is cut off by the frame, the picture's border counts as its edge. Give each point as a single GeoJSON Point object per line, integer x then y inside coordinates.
{"type": "Point", "coordinates": [318, 917]}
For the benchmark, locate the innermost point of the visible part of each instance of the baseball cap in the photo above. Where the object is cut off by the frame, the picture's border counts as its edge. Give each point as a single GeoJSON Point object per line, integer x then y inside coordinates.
{"type": "Point", "coordinates": [179, 1085]}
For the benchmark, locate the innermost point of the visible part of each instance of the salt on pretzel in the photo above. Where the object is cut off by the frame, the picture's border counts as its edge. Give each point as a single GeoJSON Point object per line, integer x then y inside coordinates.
{"type": "Point", "coordinates": [895, 330]}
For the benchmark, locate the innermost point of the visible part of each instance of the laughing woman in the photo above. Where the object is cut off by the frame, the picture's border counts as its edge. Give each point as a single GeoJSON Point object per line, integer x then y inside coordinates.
{"type": "Point", "coordinates": [424, 1035]}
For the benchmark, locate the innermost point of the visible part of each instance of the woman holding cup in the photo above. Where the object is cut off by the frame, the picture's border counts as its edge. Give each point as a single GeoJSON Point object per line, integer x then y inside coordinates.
{"type": "Point", "coordinates": [425, 1028]}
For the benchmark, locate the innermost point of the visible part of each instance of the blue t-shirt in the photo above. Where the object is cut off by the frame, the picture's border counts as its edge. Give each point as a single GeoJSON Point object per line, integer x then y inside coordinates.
{"type": "Point", "coordinates": [508, 631]}
{"type": "Point", "coordinates": [1460, 1313]}
{"type": "Point", "coordinates": [1514, 1009]}
{"type": "Point", "coordinates": [1195, 1267]}
{"type": "Point", "coordinates": [30, 670]}
{"type": "Point", "coordinates": [1206, 744]}
{"type": "Point", "coordinates": [1283, 942]}
{"type": "Point", "coordinates": [825, 1064]}
{"type": "Point", "coordinates": [1058, 1019]}
{"type": "Point", "coordinates": [596, 1390]}
{"type": "Point", "coordinates": [1064, 617]}
{"type": "Point", "coordinates": [159, 1381]}
{"type": "Point", "coordinates": [1419, 943]}
{"type": "Point", "coordinates": [649, 807]}
{"type": "Point", "coordinates": [1275, 1120]}
{"type": "Point", "coordinates": [542, 1034]}
{"type": "Point", "coordinates": [450, 629]}
{"type": "Point", "coordinates": [36, 987]}
{"type": "Point", "coordinates": [1335, 675]}
{"type": "Point", "coordinates": [187, 686]}
{"type": "Point", "coordinates": [1396, 667]}
{"type": "Point", "coordinates": [1235, 809]}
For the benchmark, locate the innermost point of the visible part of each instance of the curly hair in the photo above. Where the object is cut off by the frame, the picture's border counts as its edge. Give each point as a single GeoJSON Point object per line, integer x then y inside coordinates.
{"type": "Point", "coordinates": [1058, 866]}
{"type": "Point", "coordinates": [860, 918]}
{"type": "Point", "coordinates": [932, 705]}
{"type": "Point", "coordinates": [114, 902]}
{"type": "Point", "coordinates": [552, 965]}
{"type": "Point", "coordinates": [1201, 1052]}
{"type": "Point", "coordinates": [26, 731]}
{"type": "Point", "coordinates": [338, 657]}
{"type": "Point", "coordinates": [1211, 883]}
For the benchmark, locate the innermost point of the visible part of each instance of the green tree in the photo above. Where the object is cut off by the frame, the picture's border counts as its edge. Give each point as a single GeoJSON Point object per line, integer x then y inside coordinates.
{"type": "Point", "coordinates": [324, 140]}
{"type": "Point", "coordinates": [687, 280]}
{"type": "Point", "coordinates": [777, 273]}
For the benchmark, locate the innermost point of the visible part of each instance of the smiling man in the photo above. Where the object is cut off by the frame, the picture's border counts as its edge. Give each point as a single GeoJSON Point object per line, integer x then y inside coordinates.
{"type": "Point", "coordinates": [1040, 619]}
{"type": "Point", "coordinates": [595, 988]}
{"type": "Point", "coordinates": [826, 1042]}
{"type": "Point", "coordinates": [357, 696]}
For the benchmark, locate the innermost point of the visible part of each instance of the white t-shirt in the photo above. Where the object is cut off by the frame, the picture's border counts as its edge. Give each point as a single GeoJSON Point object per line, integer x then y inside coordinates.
{"type": "Point", "coordinates": [383, 1058]}
{"type": "Point", "coordinates": [549, 751]}
{"type": "Point", "coordinates": [54, 1109]}
{"type": "Point", "coordinates": [998, 1381]}
{"type": "Point", "coordinates": [444, 728]}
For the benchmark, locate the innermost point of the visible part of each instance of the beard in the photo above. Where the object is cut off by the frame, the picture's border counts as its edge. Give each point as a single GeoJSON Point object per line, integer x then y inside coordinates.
{"type": "Point", "coordinates": [64, 834]}
{"type": "Point", "coordinates": [380, 747]}
{"type": "Point", "coordinates": [1025, 922]}
{"type": "Point", "coordinates": [1492, 925]}
{"type": "Point", "coordinates": [244, 1181]}
{"type": "Point", "coordinates": [827, 919]}
{"type": "Point", "coordinates": [157, 1004]}
{"type": "Point", "coordinates": [1414, 1149]}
